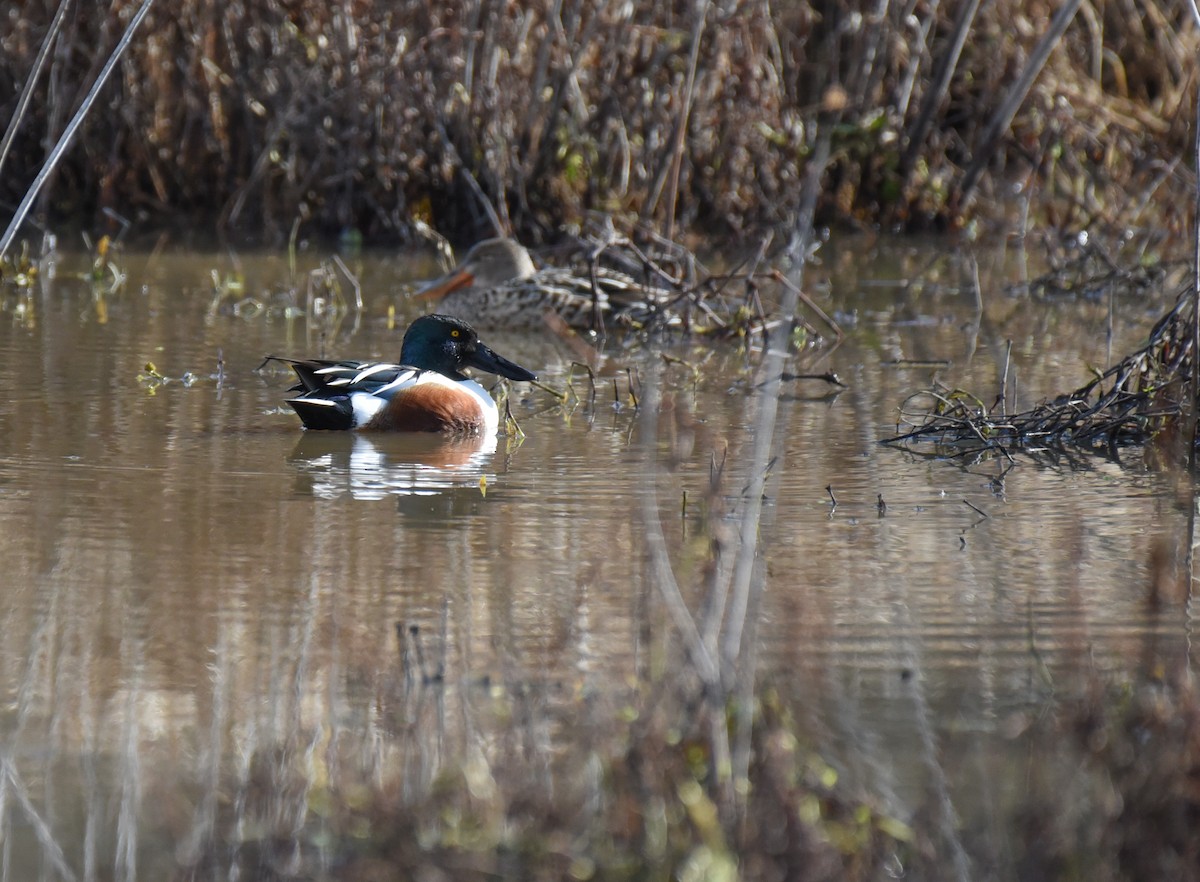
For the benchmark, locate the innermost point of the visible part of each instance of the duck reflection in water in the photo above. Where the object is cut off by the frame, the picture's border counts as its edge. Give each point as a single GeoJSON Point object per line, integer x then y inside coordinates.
{"type": "Point", "coordinates": [335, 465]}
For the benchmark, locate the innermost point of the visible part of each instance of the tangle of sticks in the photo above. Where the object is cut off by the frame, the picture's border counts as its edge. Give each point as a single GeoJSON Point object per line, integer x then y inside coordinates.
{"type": "Point", "coordinates": [1132, 403]}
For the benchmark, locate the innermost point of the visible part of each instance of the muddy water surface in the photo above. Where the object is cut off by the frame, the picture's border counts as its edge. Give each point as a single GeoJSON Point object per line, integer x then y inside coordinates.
{"type": "Point", "coordinates": [191, 580]}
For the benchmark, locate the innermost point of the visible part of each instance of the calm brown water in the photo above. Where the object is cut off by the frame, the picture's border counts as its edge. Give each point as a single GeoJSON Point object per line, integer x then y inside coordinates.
{"type": "Point", "coordinates": [192, 581]}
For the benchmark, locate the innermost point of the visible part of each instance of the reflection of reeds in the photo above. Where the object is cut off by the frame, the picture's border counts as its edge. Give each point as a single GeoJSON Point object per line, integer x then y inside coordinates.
{"type": "Point", "coordinates": [263, 115]}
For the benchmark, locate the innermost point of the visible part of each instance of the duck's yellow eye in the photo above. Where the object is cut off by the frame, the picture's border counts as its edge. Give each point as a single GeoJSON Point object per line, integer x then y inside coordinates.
{"type": "Point", "coordinates": [455, 332]}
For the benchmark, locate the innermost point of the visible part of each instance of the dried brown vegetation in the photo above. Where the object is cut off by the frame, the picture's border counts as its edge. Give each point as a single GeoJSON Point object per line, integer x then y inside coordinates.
{"type": "Point", "coordinates": [263, 115]}
{"type": "Point", "coordinates": [1139, 401]}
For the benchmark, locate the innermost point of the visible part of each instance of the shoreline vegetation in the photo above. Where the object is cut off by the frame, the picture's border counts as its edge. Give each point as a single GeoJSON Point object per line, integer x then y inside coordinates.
{"type": "Point", "coordinates": [254, 120]}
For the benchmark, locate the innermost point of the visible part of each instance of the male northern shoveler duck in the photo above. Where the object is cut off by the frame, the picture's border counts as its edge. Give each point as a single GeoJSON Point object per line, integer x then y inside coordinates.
{"type": "Point", "coordinates": [425, 392]}
{"type": "Point", "coordinates": [497, 285]}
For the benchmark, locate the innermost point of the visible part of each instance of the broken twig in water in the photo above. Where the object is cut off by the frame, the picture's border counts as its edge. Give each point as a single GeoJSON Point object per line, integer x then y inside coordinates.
{"type": "Point", "coordinates": [975, 508]}
{"type": "Point", "coordinates": [830, 377]}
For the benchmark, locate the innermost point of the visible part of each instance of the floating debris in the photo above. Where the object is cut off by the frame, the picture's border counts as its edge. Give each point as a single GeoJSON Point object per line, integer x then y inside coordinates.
{"type": "Point", "coordinates": [1138, 400]}
{"type": "Point", "coordinates": [679, 294]}
{"type": "Point", "coordinates": [151, 379]}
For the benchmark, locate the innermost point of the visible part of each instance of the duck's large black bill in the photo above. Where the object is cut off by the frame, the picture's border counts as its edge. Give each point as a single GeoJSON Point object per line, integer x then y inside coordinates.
{"type": "Point", "coordinates": [483, 358]}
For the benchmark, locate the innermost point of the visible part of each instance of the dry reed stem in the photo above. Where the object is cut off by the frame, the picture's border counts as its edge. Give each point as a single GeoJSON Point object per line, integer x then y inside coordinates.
{"type": "Point", "coordinates": [35, 74]}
